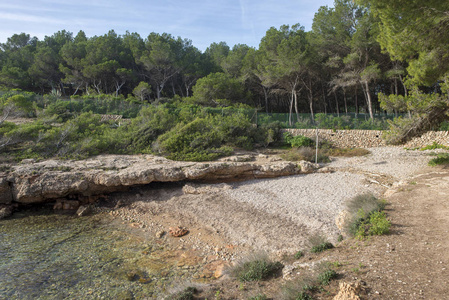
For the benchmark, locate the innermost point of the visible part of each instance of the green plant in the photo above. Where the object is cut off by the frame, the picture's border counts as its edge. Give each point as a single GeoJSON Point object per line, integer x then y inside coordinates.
{"type": "Point", "coordinates": [255, 267]}
{"type": "Point", "coordinates": [321, 247]}
{"type": "Point", "coordinates": [298, 141]}
{"type": "Point", "coordinates": [299, 254]}
{"type": "Point", "coordinates": [441, 159]}
{"type": "Point", "coordinates": [326, 276]}
{"type": "Point", "coordinates": [379, 224]}
{"type": "Point", "coordinates": [434, 146]}
{"type": "Point", "coordinates": [305, 153]}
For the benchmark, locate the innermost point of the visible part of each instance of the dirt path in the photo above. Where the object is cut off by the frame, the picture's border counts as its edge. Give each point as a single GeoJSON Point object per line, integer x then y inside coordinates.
{"type": "Point", "coordinates": [413, 261]}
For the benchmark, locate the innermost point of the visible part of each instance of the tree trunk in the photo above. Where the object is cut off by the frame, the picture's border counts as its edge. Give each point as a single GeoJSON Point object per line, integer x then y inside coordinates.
{"type": "Point", "coordinates": [265, 93]}
{"type": "Point", "coordinates": [368, 100]}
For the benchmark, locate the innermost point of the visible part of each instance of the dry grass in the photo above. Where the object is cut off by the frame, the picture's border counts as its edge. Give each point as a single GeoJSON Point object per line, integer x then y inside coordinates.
{"type": "Point", "coordinates": [348, 152]}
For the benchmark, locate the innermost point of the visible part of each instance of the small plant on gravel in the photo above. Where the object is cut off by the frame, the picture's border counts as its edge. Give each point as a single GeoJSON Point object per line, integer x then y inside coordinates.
{"type": "Point", "coordinates": [299, 254]}
{"type": "Point", "coordinates": [255, 267]}
{"type": "Point", "coordinates": [434, 146]}
{"type": "Point", "coordinates": [326, 276]}
{"type": "Point", "coordinates": [441, 159]}
{"type": "Point", "coordinates": [319, 243]}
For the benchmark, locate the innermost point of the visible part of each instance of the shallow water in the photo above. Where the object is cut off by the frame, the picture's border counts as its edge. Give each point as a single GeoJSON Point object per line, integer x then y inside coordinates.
{"type": "Point", "coordinates": [55, 256]}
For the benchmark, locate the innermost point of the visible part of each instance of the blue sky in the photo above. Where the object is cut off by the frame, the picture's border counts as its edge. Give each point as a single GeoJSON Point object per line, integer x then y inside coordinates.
{"type": "Point", "coordinates": [202, 21]}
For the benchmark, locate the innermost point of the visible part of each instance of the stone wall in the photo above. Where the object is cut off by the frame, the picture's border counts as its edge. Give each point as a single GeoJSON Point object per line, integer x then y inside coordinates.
{"type": "Point", "coordinates": [368, 138]}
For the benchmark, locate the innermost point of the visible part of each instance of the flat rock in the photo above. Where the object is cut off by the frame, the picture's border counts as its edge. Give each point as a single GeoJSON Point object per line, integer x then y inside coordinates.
{"type": "Point", "coordinates": [37, 182]}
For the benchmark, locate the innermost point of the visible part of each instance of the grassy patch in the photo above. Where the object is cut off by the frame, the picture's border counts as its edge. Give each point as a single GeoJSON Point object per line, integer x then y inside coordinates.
{"type": "Point", "coordinates": [326, 276]}
{"type": "Point", "coordinates": [441, 159]}
{"type": "Point", "coordinates": [255, 267]}
{"type": "Point", "coordinates": [258, 297]}
{"type": "Point", "coordinates": [305, 153]}
{"type": "Point", "coordinates": [299, 254]}
{"type": "Point", "coordinates": [348, 152]}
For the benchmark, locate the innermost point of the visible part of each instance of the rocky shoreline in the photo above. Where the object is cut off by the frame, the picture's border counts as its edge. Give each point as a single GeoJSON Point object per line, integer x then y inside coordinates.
{"type": "Point", "coordinates": [71, 184]}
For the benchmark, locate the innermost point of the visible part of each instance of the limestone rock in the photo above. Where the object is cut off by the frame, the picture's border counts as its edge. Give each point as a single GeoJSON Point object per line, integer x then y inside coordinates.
{"type": "Point", "coordinates": [341, 221]}
{"type": "Point", "coordinates": [348, 291]}
{"type": "Point", "coordinates": [307, 167]}
{"type": "Point", "coordinates": [178, 231]}
{"type": "Point", "coordinates": [62, 204]}
{"type": "Point", "coordinates": [45, 181]}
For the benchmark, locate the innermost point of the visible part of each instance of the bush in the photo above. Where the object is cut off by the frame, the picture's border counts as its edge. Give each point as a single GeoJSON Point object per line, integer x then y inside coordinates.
{"type": "Point", "coordinates": [441, 159]}
{"type": "Point", "coordinates": [378, 223]}
{"type": "Point", "coordinates": [298, 141]}
{"type": "Point", "coordinates": [299, 254]}
{"type": "Point", "coordinates": [319, 243]}
{"type": "Point", "coordinates": [258, 267]}
{"type": "Point", "coordinates": [326, 276]}
{"type": "Point", "coordinates": [366, 216]}
{"type": "Point", "coordinates": [321, 247]}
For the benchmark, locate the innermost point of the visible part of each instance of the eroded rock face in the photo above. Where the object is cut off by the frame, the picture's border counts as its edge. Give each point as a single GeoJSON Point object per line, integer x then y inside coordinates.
{"type": "Point", "coordinates": [35, 182]}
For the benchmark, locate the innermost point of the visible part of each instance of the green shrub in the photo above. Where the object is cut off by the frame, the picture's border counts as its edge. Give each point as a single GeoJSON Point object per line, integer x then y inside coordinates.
{"type": "Point", "coordinates": [300, 289]}
{"type": "Point", "coordinates": [299, 254]}
{"type": "Point", "coordinates": [366, 216]}
{"type": "Point", "coordinates": [379, 223]}
{"type": "Point", "coordinates": [319, 243]}
{"type": "Point", "coordinates": [298, 141]}
{"type": "Point", "coordinates": [321, 247]}
{"type": "Point", "coordinates": [434, 146]}
{"type": "Point", "coordinates": [326, 276]}
{"type": "Point", "coordinates": [257, 267]}
{"type": "Point", "coordinates": [441, 159]}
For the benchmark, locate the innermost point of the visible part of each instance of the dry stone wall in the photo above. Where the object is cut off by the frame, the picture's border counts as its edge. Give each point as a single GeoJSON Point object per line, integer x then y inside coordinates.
{"type": "Point", "coordinates": [368, 138]}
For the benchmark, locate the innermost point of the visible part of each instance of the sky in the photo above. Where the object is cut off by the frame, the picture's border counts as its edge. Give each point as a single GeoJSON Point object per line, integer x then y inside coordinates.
{"type": "Point", "coordinates": [202, 21]}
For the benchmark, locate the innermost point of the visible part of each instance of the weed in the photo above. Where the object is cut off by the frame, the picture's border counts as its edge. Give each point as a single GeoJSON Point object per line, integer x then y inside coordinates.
{"type": "Point", "coordinates": [359, 210]}
{"type": "Point", "coordinates": [305, 153]}
{"type": "Point", "coordinates": [434, 146]}
{"type": "Point", "coordinates": [413, 182]}
{"type": "Point", "coordinates": [441, 159]}
{"type": "Point", "coordinates": [348, 152]}
{"type": "Point", "coordinates": [326, 276]}
{"type": "Point", "coordinates": [321, 247]}
{"type": "Point", "coordinates": [299, 254]}
{"type": "Point", "coordinates": [379, 223]}
{"type": "Point", "coordinates": [255, 267]}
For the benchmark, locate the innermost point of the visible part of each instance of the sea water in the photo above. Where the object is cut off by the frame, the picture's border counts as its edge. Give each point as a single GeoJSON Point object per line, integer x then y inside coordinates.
{"type": "Point", "coordinates": [44, 255]}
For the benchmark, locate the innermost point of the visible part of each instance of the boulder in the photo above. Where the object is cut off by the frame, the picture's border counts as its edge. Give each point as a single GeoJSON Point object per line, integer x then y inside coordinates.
{"type": "Point", "coordinates": [348, 291]}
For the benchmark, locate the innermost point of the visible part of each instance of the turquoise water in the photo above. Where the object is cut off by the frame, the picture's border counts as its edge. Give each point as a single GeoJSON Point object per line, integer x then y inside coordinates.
{"type": "Point", "coordinates": [55, 256]}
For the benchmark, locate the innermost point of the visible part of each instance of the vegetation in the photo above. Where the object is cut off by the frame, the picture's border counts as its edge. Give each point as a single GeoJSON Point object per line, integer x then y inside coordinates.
{"type": "Point", "coordinates": [319, 244]}
{"type": "Point", "coordinates": [357, 58]}
{"type": "Point", "coordinates": [366, 216]}
{"type": "Point", "coordinates": [441, 159]}
{"type": "Point", "coordinates": [256, 267]}
{"type": "Point", "coordinates": [186, 294]}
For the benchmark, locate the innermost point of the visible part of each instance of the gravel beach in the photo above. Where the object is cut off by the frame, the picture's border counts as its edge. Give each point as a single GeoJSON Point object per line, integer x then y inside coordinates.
{"type": "Point", "coordinates": [275, 215]}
